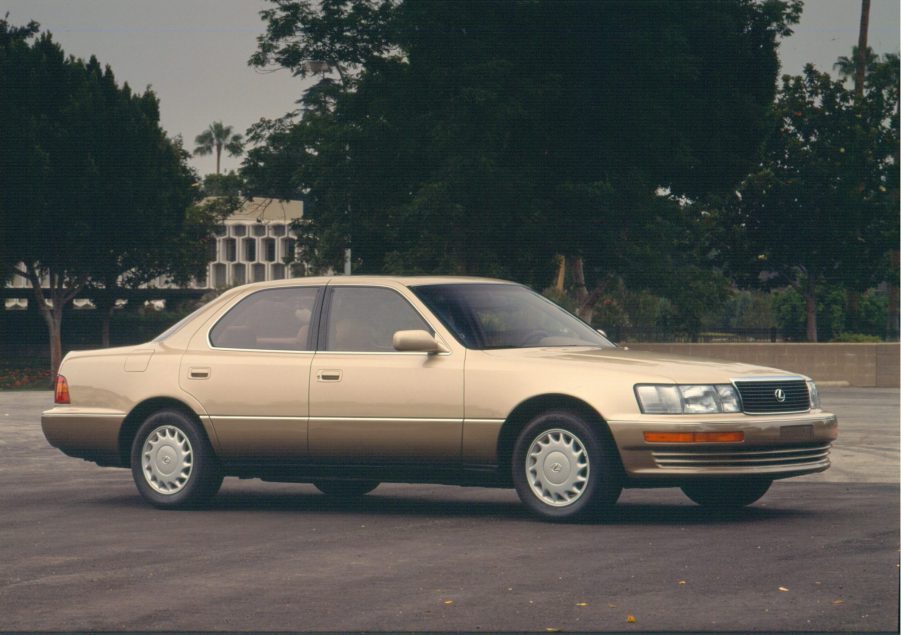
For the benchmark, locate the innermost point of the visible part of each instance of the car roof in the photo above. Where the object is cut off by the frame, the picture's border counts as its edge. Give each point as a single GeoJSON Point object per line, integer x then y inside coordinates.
{"type": "Point", "coordinates": [408, 281]}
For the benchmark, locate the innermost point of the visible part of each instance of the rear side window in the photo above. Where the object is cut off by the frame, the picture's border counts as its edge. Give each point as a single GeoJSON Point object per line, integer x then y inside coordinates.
{"type": "Point", "coordinates": [364, 319]}
{"type": "Point", "coordinates": [272, 319]}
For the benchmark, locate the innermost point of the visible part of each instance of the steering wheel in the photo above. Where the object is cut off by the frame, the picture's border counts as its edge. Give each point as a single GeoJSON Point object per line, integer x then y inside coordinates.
{"type": "Point", "coordinates": [534, 337]}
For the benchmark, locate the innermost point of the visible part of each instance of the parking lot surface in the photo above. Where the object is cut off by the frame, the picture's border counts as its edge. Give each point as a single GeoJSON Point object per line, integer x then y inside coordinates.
{"type": "Point", "coordinates": [79, 550]}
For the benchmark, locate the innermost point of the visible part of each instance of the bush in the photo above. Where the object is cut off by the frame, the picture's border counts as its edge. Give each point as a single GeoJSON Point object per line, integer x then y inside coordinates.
{"type": "Point", "coordinates": [856, 338]}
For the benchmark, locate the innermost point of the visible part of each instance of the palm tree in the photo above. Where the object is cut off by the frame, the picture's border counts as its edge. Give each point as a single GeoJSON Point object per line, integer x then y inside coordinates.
{"type": "Point", "coordinates": [846, 66]}
{"type": "Point", "coordinates": [217, 137]}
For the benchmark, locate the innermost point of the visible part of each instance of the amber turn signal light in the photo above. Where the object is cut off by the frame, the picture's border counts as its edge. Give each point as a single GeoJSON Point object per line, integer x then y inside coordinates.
{"type": "Point", "coordinates": [694, 437]}
{"type": "Point", "coordinates": [61, 390]}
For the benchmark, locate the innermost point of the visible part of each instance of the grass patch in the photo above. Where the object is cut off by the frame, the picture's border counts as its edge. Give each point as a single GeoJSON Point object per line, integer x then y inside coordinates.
{"type": "Point", "coordinates": [24, 374]}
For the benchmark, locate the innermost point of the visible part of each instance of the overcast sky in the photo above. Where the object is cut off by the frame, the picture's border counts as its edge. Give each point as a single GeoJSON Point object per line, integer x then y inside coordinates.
{"type": "Point", "coordinates": [194, 52]}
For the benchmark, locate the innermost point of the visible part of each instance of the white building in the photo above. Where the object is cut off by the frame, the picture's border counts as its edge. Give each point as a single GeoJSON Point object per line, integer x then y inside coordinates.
{"type": "Point", "coordinates": [252, 245]}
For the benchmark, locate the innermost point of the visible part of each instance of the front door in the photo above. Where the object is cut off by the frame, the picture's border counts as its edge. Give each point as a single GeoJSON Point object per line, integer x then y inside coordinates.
{"type": "Point", "coordinates": [372, 404]}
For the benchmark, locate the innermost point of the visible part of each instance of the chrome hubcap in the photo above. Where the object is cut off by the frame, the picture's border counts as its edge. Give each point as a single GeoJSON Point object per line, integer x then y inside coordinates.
{"type": "Point", "coordinates": [557, 467]}
{"type": "Point", "coordinates": [167, 460]}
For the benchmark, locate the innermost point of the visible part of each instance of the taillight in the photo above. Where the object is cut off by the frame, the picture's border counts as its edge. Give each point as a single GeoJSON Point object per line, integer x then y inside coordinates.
{"type": "Point", "coordinates": [61, 390]}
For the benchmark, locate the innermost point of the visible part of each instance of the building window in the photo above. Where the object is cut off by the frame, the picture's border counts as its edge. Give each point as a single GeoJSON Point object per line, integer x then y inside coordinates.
{"type": "Point", "coordinates": [288, 248]}
{"type": "Point", "coordinates": [239, 274]}
{"type": "Point", "coordinates": [231, 250]}
{"type": "Point", "coordinates": [219, 279]}
{"type": "Point", "coordinates": [268, 250]}
{"type": "Point", "coordinates": [250, 249]}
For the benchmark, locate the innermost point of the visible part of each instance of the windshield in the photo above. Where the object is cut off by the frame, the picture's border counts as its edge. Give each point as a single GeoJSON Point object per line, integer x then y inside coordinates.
{"type": "Point", "coordinates": [485, 316]}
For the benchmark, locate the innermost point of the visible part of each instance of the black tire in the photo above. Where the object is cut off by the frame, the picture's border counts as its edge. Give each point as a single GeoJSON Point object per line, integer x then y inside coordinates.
{"type": "Point", "coordinates": [729, 493]}
{"type": "Point", "coordinates": [346, 489]}
{"type": "Point", "coordinates": [193, 480]}
{"type": "Point", "coordinates": [602, 482]}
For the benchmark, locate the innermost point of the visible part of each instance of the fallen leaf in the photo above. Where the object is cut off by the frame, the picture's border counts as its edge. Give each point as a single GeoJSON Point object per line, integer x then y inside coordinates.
{"type": "Point", "coordinates": [839, 601]}
{"type": "Point", "coordinates": [782, 588]}
{"type": "Point", "coordinates": [631, 619]}
{"type": "Point", "coordinates": [448, 601]}
{"type": "Point", "coordinates": [613, 606]}
{"type": "Point", "coordinates": [552, 630]}
{"type": "Point", "coordinates": [681, 582]}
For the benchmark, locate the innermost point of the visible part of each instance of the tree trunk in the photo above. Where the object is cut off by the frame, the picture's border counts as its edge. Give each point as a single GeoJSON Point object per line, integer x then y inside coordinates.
{"type": "Point", "coordinates": [104, 328]}
{"type": "Point", "coordinates": [561, 274]}
{"type": "Point", "coordinates": [585, 301]}
{"type": "Point", "coordinates": [852, 313]}
{"type": "Point", "coordinates": [894, 299]}
{"type": "Point", "coordinates": [218, 155]}
{"type": "Point", "coordinates": [54, 330]}
{"type": "Point", "coordinates": [106, 304]}
{"type": "Point", "coordinates": [860, 71]}
{"type": "Point", "coordinates": [810, 298]}
{"type": "Point", "coordinates": [583, 309]}
{"type": "Point", "coordinates": [52, 312]}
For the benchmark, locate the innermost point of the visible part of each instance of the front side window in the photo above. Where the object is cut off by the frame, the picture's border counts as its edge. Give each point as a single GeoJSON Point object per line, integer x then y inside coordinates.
{"type": "Point", "coordinates": [272, 319]}
{"type": "Point", "coordinates": [365, 319]}
{"type": "Point", "coordinates": [485, 316]}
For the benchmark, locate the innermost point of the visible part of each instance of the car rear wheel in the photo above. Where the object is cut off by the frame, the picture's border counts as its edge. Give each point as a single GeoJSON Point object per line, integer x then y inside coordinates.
{"type": "Point", "coordinates": [727, 493]}
{"type": "Point", "coordinates": [564, 468]}
{"type": "Point", "coordinates": [346, 489]}
{"type": "Point", "coordinates": [172, 462]}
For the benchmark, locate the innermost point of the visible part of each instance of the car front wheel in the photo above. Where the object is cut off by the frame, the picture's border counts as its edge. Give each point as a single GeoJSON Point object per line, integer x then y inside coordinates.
{"type": "Point", "coordinates": [564, 468]}
{"type": "Point", "coordinates": [172, 462]}
{"type": "Point", "coordinates": [727, 493]}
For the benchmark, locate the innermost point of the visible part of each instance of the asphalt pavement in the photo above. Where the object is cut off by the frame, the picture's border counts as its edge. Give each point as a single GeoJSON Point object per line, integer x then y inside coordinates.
{"type": "Point", "coordinates": [79, 550]}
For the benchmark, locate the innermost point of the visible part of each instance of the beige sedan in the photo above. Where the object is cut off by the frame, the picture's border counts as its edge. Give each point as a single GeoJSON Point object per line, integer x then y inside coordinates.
{"type": "Point", "coordinates": [346, 382]}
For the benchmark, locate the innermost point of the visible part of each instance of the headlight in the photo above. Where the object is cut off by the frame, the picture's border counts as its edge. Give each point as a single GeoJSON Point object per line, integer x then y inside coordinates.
{"type": "Point", "coordinates": [687, 399]}
{"type": "Point", "coordinates": [814, 395]}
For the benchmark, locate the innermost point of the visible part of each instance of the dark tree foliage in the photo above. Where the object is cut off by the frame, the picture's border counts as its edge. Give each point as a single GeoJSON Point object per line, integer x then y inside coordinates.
{"type": "Point", "coordinates": [92, 192]}
{"type": "Point", "coordinates": [486, 138]}
{"type": "Point", "coordinates": [822, 207]}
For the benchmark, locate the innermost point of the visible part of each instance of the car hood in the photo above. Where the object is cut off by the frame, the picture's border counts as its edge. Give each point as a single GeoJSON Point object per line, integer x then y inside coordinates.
{"type": "Point", "coordinates": [644, 366]}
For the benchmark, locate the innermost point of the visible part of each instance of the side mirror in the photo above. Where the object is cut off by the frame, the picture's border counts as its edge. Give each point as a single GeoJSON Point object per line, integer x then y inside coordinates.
{"type": "Point", "coordinates": [417, 342]}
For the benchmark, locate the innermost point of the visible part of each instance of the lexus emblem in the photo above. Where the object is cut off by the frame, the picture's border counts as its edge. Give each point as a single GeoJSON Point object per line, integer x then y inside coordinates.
{"type": "Point", "coordinates": [556, 467]}
{"type": "Point", "coordinates": [779, 395]}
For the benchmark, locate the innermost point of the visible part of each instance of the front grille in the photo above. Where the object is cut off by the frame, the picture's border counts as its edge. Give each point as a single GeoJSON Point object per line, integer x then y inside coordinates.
{"type": "Point", "coordinates": [759, 397]}
{"type": "Point", "coordinates": [805, 456]}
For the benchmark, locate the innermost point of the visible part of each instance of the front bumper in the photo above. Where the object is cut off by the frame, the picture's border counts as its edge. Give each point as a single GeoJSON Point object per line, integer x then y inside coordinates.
{"type": "Point", "coordinates": [774, 446]}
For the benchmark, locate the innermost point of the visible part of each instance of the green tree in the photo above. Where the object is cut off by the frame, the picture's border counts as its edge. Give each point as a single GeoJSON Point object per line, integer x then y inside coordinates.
{"type": "Point", "coordinates": [216, 138]}
{"type": "Point", "coordinates": [490, 137]}
{"type": "Point", "coordinates": [92, 192]}
{"type": "Point", "coordinates": [822, 207]}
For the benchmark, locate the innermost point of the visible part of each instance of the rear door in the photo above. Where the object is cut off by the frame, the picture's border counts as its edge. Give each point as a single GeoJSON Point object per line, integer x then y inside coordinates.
{"type": "Point", "coordinates": [251, 372]}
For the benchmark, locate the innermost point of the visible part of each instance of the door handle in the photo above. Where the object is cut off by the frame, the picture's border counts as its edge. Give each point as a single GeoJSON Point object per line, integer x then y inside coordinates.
{"type": "Point", "coordinates": [329, 375]}
{"type": "Point", "coordinates": [199, 373]}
